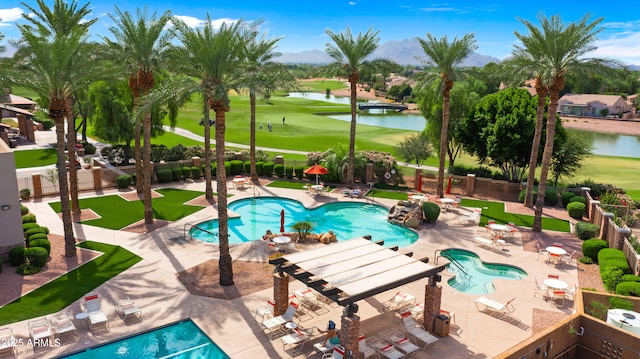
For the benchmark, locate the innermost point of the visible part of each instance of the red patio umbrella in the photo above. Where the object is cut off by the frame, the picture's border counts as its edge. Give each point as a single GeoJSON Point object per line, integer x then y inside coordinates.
{"type": "Point", "coordinates": [419, 182]}
{"type": "Point", "coordinates": [449, 186]}
{"type": "Point", "coordinates": [282, 221]}
{"type": "Point", "coordinates": [316, 170]}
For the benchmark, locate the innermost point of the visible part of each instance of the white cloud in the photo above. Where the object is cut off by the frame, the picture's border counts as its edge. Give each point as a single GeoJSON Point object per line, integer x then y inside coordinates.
{"type": "Point", "coordinates": [12, 14]}
{"type": "Point", "coordinates": [219, 22]}
{"type": "Point", "coordinates": [190, 20]}
{"type": "Point", "coordinates": [352, 3]}
{"type": "Point", "coordinates": [624, 47]}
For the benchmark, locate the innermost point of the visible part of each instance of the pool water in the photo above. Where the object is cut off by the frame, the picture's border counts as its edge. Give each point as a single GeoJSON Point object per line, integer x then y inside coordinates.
{"type": "Point", "coordinates": [346, 219]}
{"type": "Point", "coordinates": [182, 339]}
{"type": "Point", "coordinates": [473, 276]}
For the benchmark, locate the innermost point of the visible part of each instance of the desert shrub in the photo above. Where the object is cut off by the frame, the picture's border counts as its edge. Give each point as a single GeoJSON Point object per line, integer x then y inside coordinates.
{"type": "Point", "coordinates": [259, 168]}
{"type": "Point", "coordinates": [431, 211]}
{"type": "Point", "coordinates": [37, 236]}
{"type": "Point", "coordinates": [25, 193]}
{"type": "Point", "coordinates": [288, 172]}
{"type": "Point", "coordinates": [628, 288]}
{"type": "Point", "coordinates": [579, 199]}
{"type": "Point", "coordinates": [176, 173]}
{"type": "Point", "coordinates": [591, 247]}
{"type": "Point", "coordinates": [299, 171]}
{"type": "Point", "coordinates": [586, 230]}
{"type": "Point", "coordinates": [165, 175]}
{"type": "Point", "coordinates": [278, 169]}
{"type": "Point", "coordinates": [267, 169]}
{"type": "Point", "coordinates": [186, 172]}
{"type": "Point", "coordinates": [123, 181]}
{"type": "Point", "coordinates": [16, 256]}
{"type": "Point", "coordinates": [611, 277]}
{"type": "Point", "coordinates": [37, 256]}
{"type": "Point", "coordinates": [35, 230]}
{"type": "Point", "coordinates": [195, 172]}
{"type": "Point", "coordinates": [565, 197]}
{"type": "Point", "coordinates": [550, 197]}
{"type": "Point", "coordinates": [613, 258]}
{"type": "Point", "coordinates": [29, 218]}
{"type": "Point", "coordinates": [576, 210]}
{"type": "Point", "coordinates": [236, 167]}
{"type": "Point", "coordinates": [42, 243]}
{"type": "Point", "coordinates": [27, 226]}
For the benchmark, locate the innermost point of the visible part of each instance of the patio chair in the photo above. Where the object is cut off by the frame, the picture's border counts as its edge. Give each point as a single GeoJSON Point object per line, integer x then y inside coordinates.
{"type": "Point", "coordinates": [308, 299]}
{"type": "Point", "coordinates": [416, 331]}
{"type": "Point", "coordinates": [399, 301]}
{"type": "Point", "coordinates": [384, 348]}
{"type": "Point", "coordinates": [297, 337]}
{"type": "Point", "coordinates": [365, 349]}
{"type": "Point", "coordinates": [554, 259]}
{"type": "Point", "coordinates": [126, 308]}
{"type": "Point", "coordinates": [336, 353]}
{"type": "Point", "coordinates": [93, 310]}
{"type": "Point", "coordinates": [265, 310]}
{"type": "Point", "coordinates": [572, 291]}
{"type": "Point", "coordinates": [399, 341]}
{"type": "Point", "coordinates": [62, 323]}
{"type": "Point", "coordinates": [8, 342]}
{"type": "Point", "coordinates": [40, 332]}
{"type": "Point", "coordinates": [539, 286]}
{"type": "Point", "coordinates": [474, 217]}
{"type": "Point", "coordinates": [506, 308]}
{"type": "Point", "coordinates": [558, 297]}
{"type": "Point", "coordinates": [276, 324]}
{"type": "Point", "coordinates": [568, 258]}
{"type": "Point", "coordinates": [542, 252]}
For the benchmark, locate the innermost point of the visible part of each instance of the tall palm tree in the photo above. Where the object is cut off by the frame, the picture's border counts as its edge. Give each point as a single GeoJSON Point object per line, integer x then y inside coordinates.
{"type": "Point", "coordinates": [261, 75]}
{"type": "Point", "coordinates": [350, 53]}
{"type": "Point", "coordinates": [562, 49]}
{"type": "Point", "coordinates": [141, 44]}
{"type": "Point", "coordinates": [54, 48]}
{"type": "Point", "coordinates": [445, 56]}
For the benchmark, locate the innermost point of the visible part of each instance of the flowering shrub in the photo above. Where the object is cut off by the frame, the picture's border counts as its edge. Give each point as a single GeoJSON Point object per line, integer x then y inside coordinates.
{"type": "Point", "coordinates": [621, 205]}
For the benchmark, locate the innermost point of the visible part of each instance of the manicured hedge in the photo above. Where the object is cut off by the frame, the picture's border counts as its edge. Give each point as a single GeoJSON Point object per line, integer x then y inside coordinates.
{"type": "Point", "coordinates": [195, 172]}
{"type": "Point", "coordinates": [37, 256]}
{"type": "Point", "coordinates": [42, 243]}
{"type": "Point", "coordinates": [524, 193]}
{"type": "Point", "coordinates": [186, 172]}
{"type": "Point", "coordinates": [29, 218]}
{"type": "Point", "coordinates": [176, 173]}
{"type": "Point", "coordinates": [123, 181]}
{"type": "Point", "coordinates": [16, 256]}
{"type": "Point", "coordinates": [31, 231]}
{"type": "Point", "coordinates": [278, 169]}
{"type": "Point", "coordinates": [23, 210]}
{"type": "Point", "coordinates": [628, 288]}
{"type": "Point", "coordinates": [576, 210]}
{"type": "Point", "coordinates": [630, 278]}
{"type": "Point", "coordinates": [591, 247]}
{"type": "Point", "coordinates": [586, 230]}
{"type": "Point", "coordinates": [288, 172]}
{"type": "Point", "coordinates": [165, 175]}
{"type": "Point", "coordinates": [550, 197]}
{"type": "Point", "coordinates": [580, 199]}
{"type": "Point", "coordinates": [236, 167]}
{"type": "Point", "coordinates": [247, 166]}
{"type": "Point", "coordinates": [38, 236]}
{"type": "Point", "coordinates": [431, 211]}
{"type": "Point", "coordinates": [299, 171]}
{"type": "Point", "coordinates": [259, 168]}
{"type": "Point", "coordinates": [565, 197]}
{"type": "Point", "coordinates": [267, 169]}
{"type": "Point", "coordinates": [613, 258]}
{"type": "Point", "coordinates": [27, 226]}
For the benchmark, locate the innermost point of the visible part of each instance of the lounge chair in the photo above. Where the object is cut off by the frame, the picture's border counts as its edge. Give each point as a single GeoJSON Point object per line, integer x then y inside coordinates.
{"type": "Point", "coordinates": [126, 308]}
{"type": "Point", "coordinates": [308, 299]}
{"type": "Point", "coordinates": [486, 303]}
{"type": "Point", "coordinates": [336, 353]}
{"type": "Point", "coordinates": [400, 341]}
{"type": "Point", "coordinates": [416, 331]}
{"type": "Point", "coordinates": [8, 342]}
{"type": "Point", "coordinates": [297, 336]}
{"type": "Point", "coordinates": [417, 311]}
{"type": "Point", "coordinates": [474, 217]}
{"type": "Point", "coordinates": [276, 324]}
{"type": "Point", "coordinates": [40, 332]}
{"type": "Point", "coordinates": [365, 349]}
{"type": "Point", "coordinates": [93, 311]}
{"type": "Point", "coordinates": [265, 310]}
{"type": "Point", "coordinates": [384, 348]}
{"type": "Point", "coordinates": [62, 324]}
{"type": "Point", "coordinates": [399, 301]}
{"type": "Point", "coordinates": [357, 193]}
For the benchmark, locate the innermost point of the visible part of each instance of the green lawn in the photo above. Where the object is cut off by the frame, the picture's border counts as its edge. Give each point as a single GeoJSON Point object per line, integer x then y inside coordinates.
{"type": "Point", "coordinates": [379, 193]}
{"type": "Point", "coordinates": [61, 292]}
{"type": "Point", "coordinates": [35, 158]}
{"type": "Point", "coordinates": [117, 213]}
{"type": "Point", "coordinates": [322, 85]}
{"type": "Point", "coordinates": [495, 211]}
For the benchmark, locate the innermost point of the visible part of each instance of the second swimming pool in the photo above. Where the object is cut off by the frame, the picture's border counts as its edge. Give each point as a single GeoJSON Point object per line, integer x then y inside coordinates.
{"type": "Point", "coordinates": [346, 219]}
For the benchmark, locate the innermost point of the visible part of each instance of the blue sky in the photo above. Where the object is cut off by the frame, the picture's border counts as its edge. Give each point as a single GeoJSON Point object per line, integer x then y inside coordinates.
{"type": "Point", "coordinates": [302, 23]}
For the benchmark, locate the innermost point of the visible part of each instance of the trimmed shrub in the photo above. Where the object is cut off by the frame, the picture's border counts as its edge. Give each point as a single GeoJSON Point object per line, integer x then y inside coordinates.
{"type": "Point", "coordinates": [25, 193]}
{"type": "Point", "coordinates": [247, 166]}
{"type": "Point", "coordinates": [591, 247]}
{"type": "Point", "coordinates": [299, 171]}
{"type": "Point", "coordinates": [576, 210]}
{"type": "Point", "coordinates": [186, 172]}
{"type": "Point", "coordinates": [23, 210]}
{"type": "Point", "coordinates": [195, 172]}
{"type": "Point", "coordinates": [16, 256]}
{"type": "Point", "coordinates": [630, 278]}
{"type": "Point", "coordinates": [37, 236]}
{"type": "Point", "coordinates": [267, 169]}
{"type": "Point", "coordinates": [579, 199]}
{"type": "Point", "coordinates": [134, 178]}
{"type": "Point", "coordinates": [29, 218]}
{"type": "Point", "coordinates": [227, 167]}
{"type": "Point", "coordinates": [431, 211]}
{"type": "Point", "coordinates": [89, 149]}
{"type": "Point", "coordinates": [628, 288]}
{"type": "Point", "coordinates": [35, 230]}
{"type": "Point", "coordinates": [42, 243]}
{"type": "Point", "coordinates": [278, 169]}
{"type": "Point", "coordinates": [611, 277]}
{"type": "Point", "coordinates": [165, 175]}
{"type": "Point", "coordinates": [27, 226]}
{"type": "Point", "coordinates": [565, 197]}
{"type": "Point", "coordinates": [214, 167]}
{"type": "Point", "coordinates": [524, 193]}
{"type": "Point", "coordinates": [47, 124]}
{"type": "Point", "coordinates": [260, 168]}
{"type": "Point", "coordinates": [288, 172]}
{"type": "Point", "coordinates": [236, 167]}
{"type": "Point", "coordinates": [123, 181]}
{"type": "Point", "coordinates": [176, 174]}
{"type": "Point", "coordinates": [613, 258]}
{"type": "Point", "coordinates": [586, 230]}
{"type": "Point", "coordinates": [550, 197]}
{"type": "Point", "coordinates": [37, 256]}
{"type": "Point", "coordinates": [46, 229]}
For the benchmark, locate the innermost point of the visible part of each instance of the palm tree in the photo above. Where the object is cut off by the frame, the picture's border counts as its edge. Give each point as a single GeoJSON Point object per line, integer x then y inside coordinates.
{"type": "Point", "coordinates": [561, 49]}
{"type": "Point", "coordinates": [445, 56]}
{"type": "Point", "coordinates": [262, 76]}
{"type": "Point", "coordinates": [54, 48]}
{"type": "Point", "coordinates": [140, 44]}
{"type": "Point", "coordinates": [350, 54]}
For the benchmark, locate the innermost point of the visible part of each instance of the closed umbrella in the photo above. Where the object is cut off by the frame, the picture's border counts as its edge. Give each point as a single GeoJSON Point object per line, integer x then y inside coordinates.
{"type": "Point", "coordinates": [282, 221]}
{"type": "Point", "coordinates": [449, 186]}
{"type": "Point", "coordinates": [316, 170]}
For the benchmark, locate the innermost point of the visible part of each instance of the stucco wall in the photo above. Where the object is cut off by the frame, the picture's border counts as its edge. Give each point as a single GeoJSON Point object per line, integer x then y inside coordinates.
{"type": "Point", "coordinates": [10, 219]}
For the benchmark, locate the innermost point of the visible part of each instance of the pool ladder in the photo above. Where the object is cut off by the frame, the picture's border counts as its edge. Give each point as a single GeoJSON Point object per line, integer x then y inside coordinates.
{"type": "Point", "coordinates": [459, 269]}
{"type": "Point", "coordinates": [186, 233]}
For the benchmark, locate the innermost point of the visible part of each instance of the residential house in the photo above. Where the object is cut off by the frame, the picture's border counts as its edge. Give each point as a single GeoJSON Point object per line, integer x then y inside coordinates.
{"type": "Point", "coordinates": [593, 105]}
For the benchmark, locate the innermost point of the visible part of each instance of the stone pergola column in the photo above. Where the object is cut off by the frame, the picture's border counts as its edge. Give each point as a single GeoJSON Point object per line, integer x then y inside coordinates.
{"type": "Point", "coordinates": [349, 333]}
{"type": "Point", "coordinates": [432, 303]}
{"type": "Point", "coordinates": [36, 179]}
{"type": "Point", "coordinates": [97, 178]}
{"type": "Point", "coordinates": [471, 184]}
{"type": "Point", "coordinates": [280, 293]}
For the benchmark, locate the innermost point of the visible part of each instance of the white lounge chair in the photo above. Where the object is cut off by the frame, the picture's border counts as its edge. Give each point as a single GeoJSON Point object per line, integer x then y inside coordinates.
{"type": "Point", "coordinates": [486, 303]}
{"type": "Point", "coordinates": [296, 337]}
{"type": "Point", "coordinates": [474, 217]}
{"type": "Point", "coordinates": [384, 348]}
{"type": "Point", "coordinates": [309, 299]}
{"type": "Point", "coordinates": [94, 314]}
{"type": "Point", "coordinates": [62, 324]}
{"type": "Point", "coordinates": [276, 324]}
{"type": "Point", "coordinates": [265, 310]}
{"type": "Point", "coordinates": [365, 349]}
{"type": "Point", "coordinates": [8, 342]}
{"type": "Point", "coordinates": [40, 332]}
{"type": "Point", "coordinates": [399, 301]}
{"type": "Point", "coordinates": [400, 341]}
{"type": "Point", "coordinates": [417, 311]}
{"type": "Point", "coordinates": [126, 308]}
{"type": "Point", "coordinates": [417, 331]}
{"type": "Point", "coordinates": [336, 353]}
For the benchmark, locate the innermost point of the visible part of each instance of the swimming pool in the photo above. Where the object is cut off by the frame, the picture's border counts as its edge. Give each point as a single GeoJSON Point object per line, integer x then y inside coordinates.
{"type": "Point", "coordinates": [183, 339]}
{"type": "Point", "coordinates": [346, 219]}
{"type": "Point", "coordinates": [473, 276]}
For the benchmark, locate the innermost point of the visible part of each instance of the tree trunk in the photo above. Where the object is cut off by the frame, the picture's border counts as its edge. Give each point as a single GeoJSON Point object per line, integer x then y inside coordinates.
{"type": "Point", "coordinates": [444, 135]}
{"type": "Point", "coordinates": [137, 130]}
{"type": "Point", "coordinates": [253, 173]}
{"type": "Point", "coordinates": [554, 94]}
{"type": "Point", "coordinates": [73, 170]}
{"type": "Point", "coordinates": [67, 222]}
{"type": "Point", "coordinates": [535, 146]}
{"type": "Point", "coordinates": [353, 81]}
{"type": "Point", "coordinates": [146, 171]}
{"type": "Point", "coordinates": [226, 262]}
{"type": "Point", "coordinates": [208, 192]}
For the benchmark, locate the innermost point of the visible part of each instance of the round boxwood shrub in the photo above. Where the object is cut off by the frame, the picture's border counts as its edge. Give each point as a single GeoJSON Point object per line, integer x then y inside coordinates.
{"type": "Point", "coordinates": [550, 197]}
{"type": "Point", "coordinates": [195, 172]}
{"type": "Point", "coordinates": [236, 167]}
{"type": "Point", "coordinates": [579, 199]}
{"type": "Point", "coordinates": [134, 178]}
{"type": "Point", "coordinates": [123, 181]}
{"type": "Point", "coordinates": [613, 258]}
{"type": "Point", "coordinates": [37, 256]}
{"type": "Point", "coordinates": [278, 169]}
{"type": "Point", "coordinates": [27, 226]}
{"type": "Point", "coordinates": [585, 230]}
{"type": "Point", "coordinates": [214, 167]}
{"type": "Point", "coordinates": [299, 171]}
{"type": "Point", "coordinates": [227, 167]}
{"type": "Point", "coordinates": [176, 174]}
{"type": "Point", "coordinates": [186, 172]}
{"type": "Point", "coordinates": [23, 210]}
{"type": "Point", "coordinates": [628, 288]}
{"type": "Point", "coordinates": [165, 175]}
{"type": "Point", "coordinates": [16, 256]}
{"type": "Point", "coordinates": [247, 166]}
{"type": "Point", "coordinates": [288, 172]}
{"type": "Point", "coordinates": [576, 210]}
{"type": "Point", "coordinates": [29, 218]}
{"type": "Point", "coordinates": [25, 193]}
{"type": "Point", "coordinates": [38, 236]}
{"type": "Point", "coordinates": [259, 168]}
{"type": "Point", "coordinates": [31, 231]}
{"type": "Point", "coordinates": [565, 197]}
{"type": "Point", "coordinates": [431, 211]}
{"type": "Point", "coordinates": [591, 247]}
{"type": "Point", "coordinates": [42, 243]}
{"type": "Point", "coordinates": [267, 169]}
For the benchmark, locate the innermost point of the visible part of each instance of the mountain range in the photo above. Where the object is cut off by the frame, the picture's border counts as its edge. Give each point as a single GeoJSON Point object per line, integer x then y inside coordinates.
{"type": "Point", "coordinates": [403, 52]}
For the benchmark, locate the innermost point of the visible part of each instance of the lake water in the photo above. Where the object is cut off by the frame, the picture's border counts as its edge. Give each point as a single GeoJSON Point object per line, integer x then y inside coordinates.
{"type": "Point", "coordinates": [603, 143]}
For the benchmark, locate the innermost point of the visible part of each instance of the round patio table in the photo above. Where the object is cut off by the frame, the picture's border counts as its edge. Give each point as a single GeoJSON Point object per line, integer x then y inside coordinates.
{"type": "Point", "coordinates": [556, 250]}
